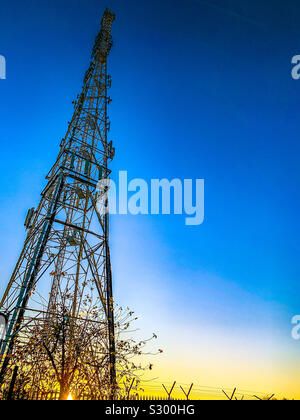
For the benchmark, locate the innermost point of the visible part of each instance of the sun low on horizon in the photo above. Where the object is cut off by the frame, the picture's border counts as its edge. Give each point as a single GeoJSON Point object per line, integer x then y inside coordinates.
{"type": "Point", "coordinates": [149, 202]}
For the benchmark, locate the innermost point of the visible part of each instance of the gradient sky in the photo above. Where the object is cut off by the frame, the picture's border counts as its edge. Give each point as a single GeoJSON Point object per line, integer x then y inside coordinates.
{"type": "Point", "coordinates": [201, 89]}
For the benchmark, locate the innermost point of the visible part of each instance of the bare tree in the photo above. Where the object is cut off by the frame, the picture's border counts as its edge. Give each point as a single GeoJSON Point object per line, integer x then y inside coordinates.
{"type": "Point", "coordinates": [59, 353]}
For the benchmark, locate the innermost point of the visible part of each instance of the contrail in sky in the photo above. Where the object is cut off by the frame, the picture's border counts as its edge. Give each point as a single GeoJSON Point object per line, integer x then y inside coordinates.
{"type": "Point", "coordinates": [229, 12]}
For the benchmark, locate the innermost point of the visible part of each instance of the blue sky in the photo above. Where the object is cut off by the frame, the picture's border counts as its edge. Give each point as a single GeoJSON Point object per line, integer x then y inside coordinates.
{"type": "Point", "coordinates": [201, 89]}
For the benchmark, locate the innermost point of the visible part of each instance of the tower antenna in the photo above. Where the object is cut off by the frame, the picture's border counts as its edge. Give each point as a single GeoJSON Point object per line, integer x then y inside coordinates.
{"type": "Point", "coordinates": [67, 235]}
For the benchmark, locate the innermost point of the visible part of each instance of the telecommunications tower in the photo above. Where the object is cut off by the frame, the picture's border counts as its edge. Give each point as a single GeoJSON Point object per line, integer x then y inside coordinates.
{"type": "Point", "coordinates": [67, 234]}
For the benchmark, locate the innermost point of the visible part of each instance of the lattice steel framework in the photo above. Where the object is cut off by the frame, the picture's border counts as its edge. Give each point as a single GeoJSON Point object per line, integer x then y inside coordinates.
{"type": "Point", "coordinates": [68, 234]}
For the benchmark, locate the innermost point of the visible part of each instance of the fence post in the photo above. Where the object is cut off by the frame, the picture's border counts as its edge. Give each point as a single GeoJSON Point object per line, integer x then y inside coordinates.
{"type": "Point", "coordinates": [189, 391]}
{"type": "Point", "coordinates": [232, 395]}
{"type": "Point", "coordinates": [169, 393]}
{"type": "Point", "coordinates": [129, 389]}
{"type": "Point", "coordinates": [268, 399]}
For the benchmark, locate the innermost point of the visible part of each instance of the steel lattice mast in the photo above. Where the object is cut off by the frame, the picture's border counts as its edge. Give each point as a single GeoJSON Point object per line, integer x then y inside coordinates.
{"type": "Point", "coordinates": [67, 235]}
